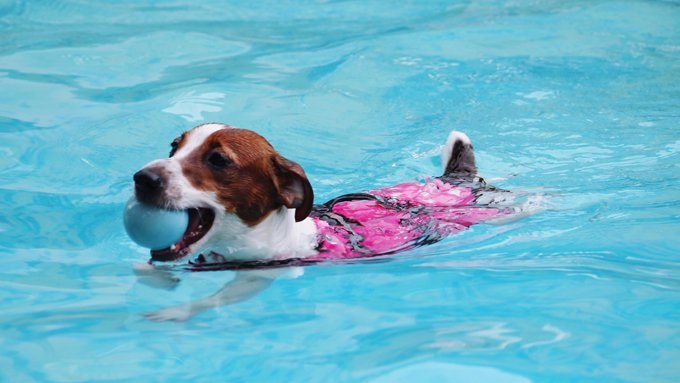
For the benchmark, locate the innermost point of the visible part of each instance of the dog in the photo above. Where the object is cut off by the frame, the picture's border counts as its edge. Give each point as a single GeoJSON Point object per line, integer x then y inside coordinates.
{"type": "Point", "coordinates": [253, 210]}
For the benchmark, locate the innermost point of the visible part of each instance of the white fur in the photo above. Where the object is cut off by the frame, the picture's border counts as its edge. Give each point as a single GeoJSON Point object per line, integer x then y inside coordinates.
{"type": "Point", "coordinates": [179, 192]}
{"type": "Point", "coordinates": [277, 237]}
{"type": "Point", "coordinates": [196, 137]}
{"type": "Point", "coordinates": [448, 147]}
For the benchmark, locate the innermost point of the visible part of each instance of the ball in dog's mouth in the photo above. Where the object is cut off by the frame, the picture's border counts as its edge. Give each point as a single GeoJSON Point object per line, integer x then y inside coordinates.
{"type": "Point", "coordinates": [200, 223]}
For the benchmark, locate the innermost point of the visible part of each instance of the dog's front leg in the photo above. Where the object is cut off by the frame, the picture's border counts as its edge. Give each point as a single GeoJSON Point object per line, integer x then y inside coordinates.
{"type": "Point", "coordinates": [245, 285]}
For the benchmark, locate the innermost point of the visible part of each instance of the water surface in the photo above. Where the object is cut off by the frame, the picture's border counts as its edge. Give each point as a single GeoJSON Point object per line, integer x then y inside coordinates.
{"type": "Point", "coordinates": [576, 100]}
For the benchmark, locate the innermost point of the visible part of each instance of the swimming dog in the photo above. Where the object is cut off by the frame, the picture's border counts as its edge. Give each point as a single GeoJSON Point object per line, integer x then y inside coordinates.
{"type": "Point", "coordinates": [251, 208]}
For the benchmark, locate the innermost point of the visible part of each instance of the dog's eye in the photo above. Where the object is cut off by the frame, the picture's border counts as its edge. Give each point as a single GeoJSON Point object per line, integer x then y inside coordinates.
{"type": "Point", "coordinates": [217, 160]}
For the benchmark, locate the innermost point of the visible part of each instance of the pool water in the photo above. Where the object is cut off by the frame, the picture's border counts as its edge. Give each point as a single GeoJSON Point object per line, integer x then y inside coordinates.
{"type": "Point", "coordinates": [576, 101]}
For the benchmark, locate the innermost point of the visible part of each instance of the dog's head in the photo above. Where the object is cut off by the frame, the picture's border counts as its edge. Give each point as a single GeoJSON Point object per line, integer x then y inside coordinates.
{"type": "Point", "coordinates": [229, 180]}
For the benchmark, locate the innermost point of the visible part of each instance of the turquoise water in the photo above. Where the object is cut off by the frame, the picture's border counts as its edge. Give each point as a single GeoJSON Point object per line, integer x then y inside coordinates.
{"type": "Point", "coordinates": [578, 101]}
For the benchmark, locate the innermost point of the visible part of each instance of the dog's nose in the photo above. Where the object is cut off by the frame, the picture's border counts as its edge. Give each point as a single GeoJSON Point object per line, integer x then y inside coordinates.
{"type": "Point", "coordinates": [148, 182]}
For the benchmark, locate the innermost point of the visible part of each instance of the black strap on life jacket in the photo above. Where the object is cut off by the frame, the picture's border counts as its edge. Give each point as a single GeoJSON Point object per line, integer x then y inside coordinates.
{"type": "Point", "coordinates": [325, 213]}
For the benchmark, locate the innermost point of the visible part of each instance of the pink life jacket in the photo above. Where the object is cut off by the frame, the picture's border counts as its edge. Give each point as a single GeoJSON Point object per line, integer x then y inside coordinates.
{"type": "Point", "coordinates": [395, 218]}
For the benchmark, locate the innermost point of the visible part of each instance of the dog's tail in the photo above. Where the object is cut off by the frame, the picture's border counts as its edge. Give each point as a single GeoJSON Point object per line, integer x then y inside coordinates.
{"type": "Point", "coordinates": [458, 158]}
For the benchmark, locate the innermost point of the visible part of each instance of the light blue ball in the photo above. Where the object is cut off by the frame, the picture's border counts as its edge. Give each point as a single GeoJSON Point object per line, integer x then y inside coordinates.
{"type": "Point", "coordinates": [153, 227]}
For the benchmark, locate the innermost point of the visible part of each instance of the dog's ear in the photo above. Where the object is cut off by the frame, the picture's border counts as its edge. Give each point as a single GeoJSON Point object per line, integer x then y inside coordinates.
{"type": "Point", "coordinates": [295, 191]}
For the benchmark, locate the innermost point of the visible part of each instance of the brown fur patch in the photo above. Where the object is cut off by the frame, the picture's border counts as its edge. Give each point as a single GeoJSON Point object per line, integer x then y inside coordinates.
{"type": "Point", "coordinates": [252, 185]}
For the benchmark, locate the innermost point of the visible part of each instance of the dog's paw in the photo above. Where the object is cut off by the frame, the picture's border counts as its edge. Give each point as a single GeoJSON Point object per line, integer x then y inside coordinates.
{"type": "Point", "coordinates": [179, 313]}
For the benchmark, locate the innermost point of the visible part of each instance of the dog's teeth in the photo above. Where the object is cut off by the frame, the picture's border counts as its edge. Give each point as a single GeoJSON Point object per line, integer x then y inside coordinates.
{"type": "Point", "coordinates": [173, 247]}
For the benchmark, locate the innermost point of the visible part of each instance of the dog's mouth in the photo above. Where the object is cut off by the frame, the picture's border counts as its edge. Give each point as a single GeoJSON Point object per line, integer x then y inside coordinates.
{"type": "Point", "coordinates": [200, 223]}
